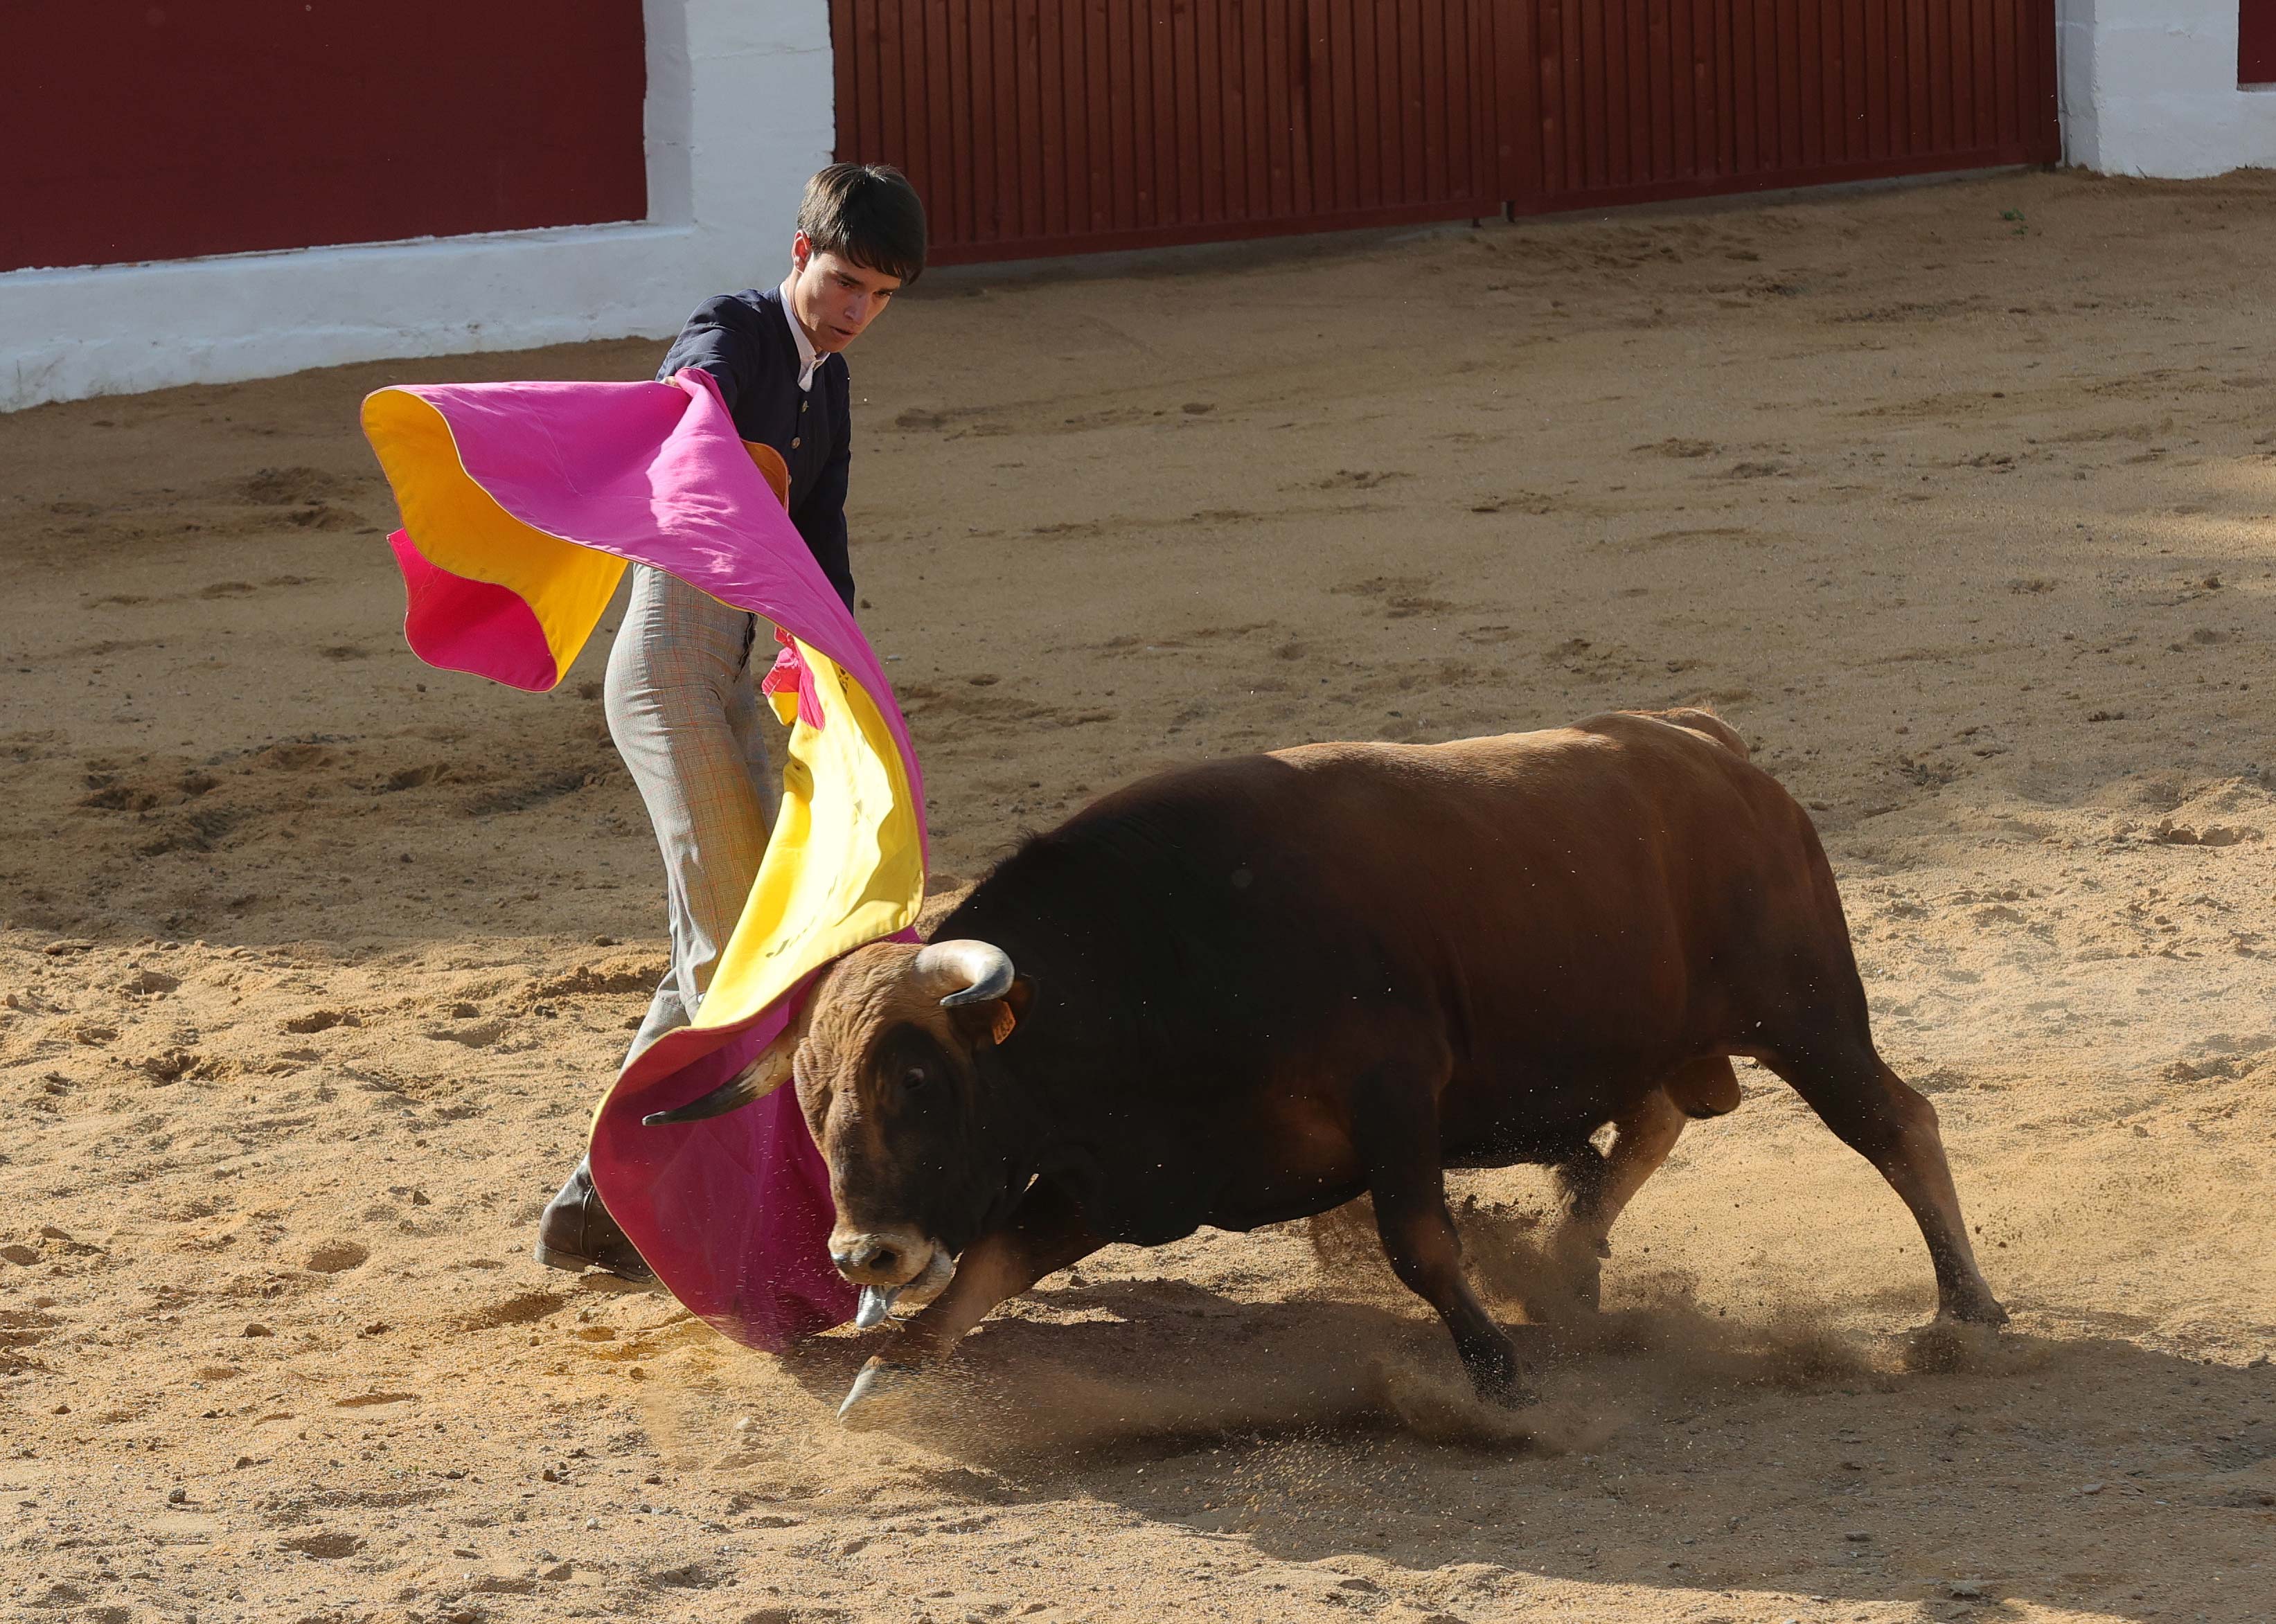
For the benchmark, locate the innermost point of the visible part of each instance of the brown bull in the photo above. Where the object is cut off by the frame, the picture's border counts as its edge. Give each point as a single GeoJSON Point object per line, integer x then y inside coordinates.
{"type": "Point", "coordinates": [1250, 992]}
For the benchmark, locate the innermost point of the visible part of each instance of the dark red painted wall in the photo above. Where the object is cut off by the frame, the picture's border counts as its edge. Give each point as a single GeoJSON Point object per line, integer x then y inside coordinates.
{"type": "Point", "coordinates": [156, 129]}
{"type": "Point", "coordinates": [1063, 126]}
{"type": "Point", "coordinates": [2255, 42]}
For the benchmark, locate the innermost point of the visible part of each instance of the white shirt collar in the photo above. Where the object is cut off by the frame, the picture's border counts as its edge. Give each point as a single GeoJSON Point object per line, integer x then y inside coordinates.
{"type": "Point", "coordinates": [808, 361]}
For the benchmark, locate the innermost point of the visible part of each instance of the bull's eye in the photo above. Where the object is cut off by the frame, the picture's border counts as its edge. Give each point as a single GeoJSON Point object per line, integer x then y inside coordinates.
{"type": "Point", "coordinates": [914, 1078]}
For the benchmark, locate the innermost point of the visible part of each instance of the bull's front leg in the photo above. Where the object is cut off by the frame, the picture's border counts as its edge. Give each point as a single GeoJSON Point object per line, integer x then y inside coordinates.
{"type": "Point", "coordinates": [1045, 1233]}
{"type": "Point", "coordinates": [1395, 1129]}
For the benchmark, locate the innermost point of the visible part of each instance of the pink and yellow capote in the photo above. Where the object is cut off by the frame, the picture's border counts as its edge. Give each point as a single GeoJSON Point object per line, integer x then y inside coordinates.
{"type": "Point", "coordinates": [522, 504]}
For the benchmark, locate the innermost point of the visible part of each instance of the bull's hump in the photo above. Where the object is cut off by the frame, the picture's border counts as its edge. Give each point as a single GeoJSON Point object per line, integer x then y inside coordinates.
{"type": "Point", "coordinates": [1428, 760]}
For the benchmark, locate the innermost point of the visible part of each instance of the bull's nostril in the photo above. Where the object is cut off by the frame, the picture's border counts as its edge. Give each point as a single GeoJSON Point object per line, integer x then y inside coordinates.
{"type": "Point", "coordinates": [864, 1256]}
{"type": "Point", "coordinates": [868, 1260]}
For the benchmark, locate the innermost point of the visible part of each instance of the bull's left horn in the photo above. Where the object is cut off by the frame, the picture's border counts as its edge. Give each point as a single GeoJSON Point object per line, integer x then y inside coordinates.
{"type": "Point", "coordinates": [747, 1087]}
{"type": "Point", "coordinates": [983, 970]}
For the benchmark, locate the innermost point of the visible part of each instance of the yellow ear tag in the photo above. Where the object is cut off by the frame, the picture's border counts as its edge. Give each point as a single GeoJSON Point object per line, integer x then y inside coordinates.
{"type": "Point", "coordinates": [1004, 1021]}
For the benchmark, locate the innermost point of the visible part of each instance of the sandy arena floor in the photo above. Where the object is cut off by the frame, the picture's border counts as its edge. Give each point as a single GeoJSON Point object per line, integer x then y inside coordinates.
{"type": "Point", "coordinates": [1957, 501]}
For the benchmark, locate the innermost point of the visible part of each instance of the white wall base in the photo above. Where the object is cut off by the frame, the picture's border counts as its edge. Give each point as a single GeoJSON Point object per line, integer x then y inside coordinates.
{"type": "Point", "coordinates": [740, 111]}
{"type": "Point", "coordinates": [2148, 88]}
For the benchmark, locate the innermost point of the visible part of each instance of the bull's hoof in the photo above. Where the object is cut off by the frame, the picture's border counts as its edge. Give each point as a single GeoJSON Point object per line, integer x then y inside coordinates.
{"type": "Point", "coordinates": [1567, 1294]}
{"type": "Point", "coordinates": [1506, 1391]}
{"type": "Point", "coordinates": [1496, 1377]}
{"type": "Point", "coordinates": [1984, 1310]}
{"type": "Point", "coordinates": [868, 1401]}
{"type": "Point", "coordinates": [1948, 1347]}
{"type": "Point", "coordinates": [1570, 1285]}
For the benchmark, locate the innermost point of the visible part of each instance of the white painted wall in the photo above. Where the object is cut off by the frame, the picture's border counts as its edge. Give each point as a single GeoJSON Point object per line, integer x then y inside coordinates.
{"type": "Point", "coordinates": [739, 112]}
{"type": "Point", "coordinates": [2148, 88]}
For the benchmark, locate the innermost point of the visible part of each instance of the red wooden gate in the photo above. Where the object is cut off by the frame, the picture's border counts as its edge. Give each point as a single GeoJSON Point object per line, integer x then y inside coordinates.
{"type": "Point", "coordinates": [1063, 126]}
{"type": "Point", "coordinates": [1059, 127]}
{"type": "Point", "coordinates": [1621, 102]}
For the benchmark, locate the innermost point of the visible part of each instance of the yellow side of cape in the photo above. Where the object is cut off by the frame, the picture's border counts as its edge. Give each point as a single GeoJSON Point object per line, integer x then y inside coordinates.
{"type": "Point", "coordinates": [459, 527]}
{"type": "Point", "coordinates": [844, 866]}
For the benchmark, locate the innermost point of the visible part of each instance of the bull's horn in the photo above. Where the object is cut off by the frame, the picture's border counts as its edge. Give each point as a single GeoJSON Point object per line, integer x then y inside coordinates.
{"type": "Point", "coordinates": [756, 1080]}
{"type": "Point", "coordinates": [984, 971]}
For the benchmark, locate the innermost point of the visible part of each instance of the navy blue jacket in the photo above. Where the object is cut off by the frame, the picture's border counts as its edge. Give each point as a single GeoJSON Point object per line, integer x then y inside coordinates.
{"type": "Point", "coordinates": [743, 341]}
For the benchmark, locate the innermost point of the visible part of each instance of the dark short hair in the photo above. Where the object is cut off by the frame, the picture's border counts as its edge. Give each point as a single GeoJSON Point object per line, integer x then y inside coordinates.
{"type": "Point", "coordinates": [868, 213]}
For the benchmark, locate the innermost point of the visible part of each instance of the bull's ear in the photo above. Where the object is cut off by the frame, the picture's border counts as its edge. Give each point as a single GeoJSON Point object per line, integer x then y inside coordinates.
{"type": "Point", "coordinates": [747, 1087]}
{"type": "Point", "coordinates": [995, 1021]}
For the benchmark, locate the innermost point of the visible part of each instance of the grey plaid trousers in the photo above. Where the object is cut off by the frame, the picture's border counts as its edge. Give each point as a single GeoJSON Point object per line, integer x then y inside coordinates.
{"type": "Point", "coordinates": [684, 708]}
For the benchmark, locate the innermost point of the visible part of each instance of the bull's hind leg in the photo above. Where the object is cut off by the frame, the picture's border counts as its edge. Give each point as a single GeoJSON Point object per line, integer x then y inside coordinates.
{"type": "Point", "coordinates": [1598, 1186]}
{"type": "Point", "coordinates": [1395, 1129]}
{"type": "Point", "coordinates": [1855, 1094]}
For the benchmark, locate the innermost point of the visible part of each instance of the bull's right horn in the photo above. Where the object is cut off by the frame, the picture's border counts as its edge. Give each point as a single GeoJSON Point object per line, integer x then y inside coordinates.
{"type": "Point", "coordinates": [747, 1087]}
{"type": "Point", "coordinates": [983, 970]}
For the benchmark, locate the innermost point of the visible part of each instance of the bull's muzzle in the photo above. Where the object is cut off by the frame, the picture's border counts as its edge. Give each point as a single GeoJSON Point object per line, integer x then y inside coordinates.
{"type": "Point", "coordinates": [893, 1256]}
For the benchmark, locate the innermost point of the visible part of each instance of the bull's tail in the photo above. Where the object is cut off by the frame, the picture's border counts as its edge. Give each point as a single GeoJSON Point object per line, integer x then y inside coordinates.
{"type": "Point", "coordinates": [1692, 718]}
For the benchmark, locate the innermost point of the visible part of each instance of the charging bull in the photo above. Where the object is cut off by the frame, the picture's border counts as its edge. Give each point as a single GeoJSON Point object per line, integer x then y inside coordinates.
{"type": "Point", "coordinates": [1251, 990]}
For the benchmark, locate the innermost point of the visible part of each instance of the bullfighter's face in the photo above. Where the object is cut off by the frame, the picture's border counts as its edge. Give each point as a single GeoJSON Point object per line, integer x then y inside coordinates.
{"type": "Point", "coordinates": [833, 298]}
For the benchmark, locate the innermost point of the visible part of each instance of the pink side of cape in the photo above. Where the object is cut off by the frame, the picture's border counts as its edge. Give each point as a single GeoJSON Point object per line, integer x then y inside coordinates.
{"type": "Point", "coordinates": [471, 626]}
{"type": "Point", "coordinates": [733, 1214]}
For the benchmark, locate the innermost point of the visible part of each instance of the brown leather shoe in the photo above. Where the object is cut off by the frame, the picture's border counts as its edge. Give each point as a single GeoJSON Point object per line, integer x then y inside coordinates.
{"type": "Point", "coordinates": [576, 1232]}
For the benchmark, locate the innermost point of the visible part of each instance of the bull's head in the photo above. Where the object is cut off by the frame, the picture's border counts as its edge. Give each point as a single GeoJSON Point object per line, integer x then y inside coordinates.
{"type": "Point", "coordinates": [892, 1058]}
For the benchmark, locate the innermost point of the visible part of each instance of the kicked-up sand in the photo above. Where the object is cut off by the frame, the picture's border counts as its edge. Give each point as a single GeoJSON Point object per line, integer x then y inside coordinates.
{"type": "Point", "coordinates": [1959, 501]}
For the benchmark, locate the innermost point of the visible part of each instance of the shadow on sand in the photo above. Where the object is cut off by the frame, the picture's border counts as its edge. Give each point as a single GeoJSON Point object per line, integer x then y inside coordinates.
{"type": "Point", "coordinates": [1669, 1448]}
